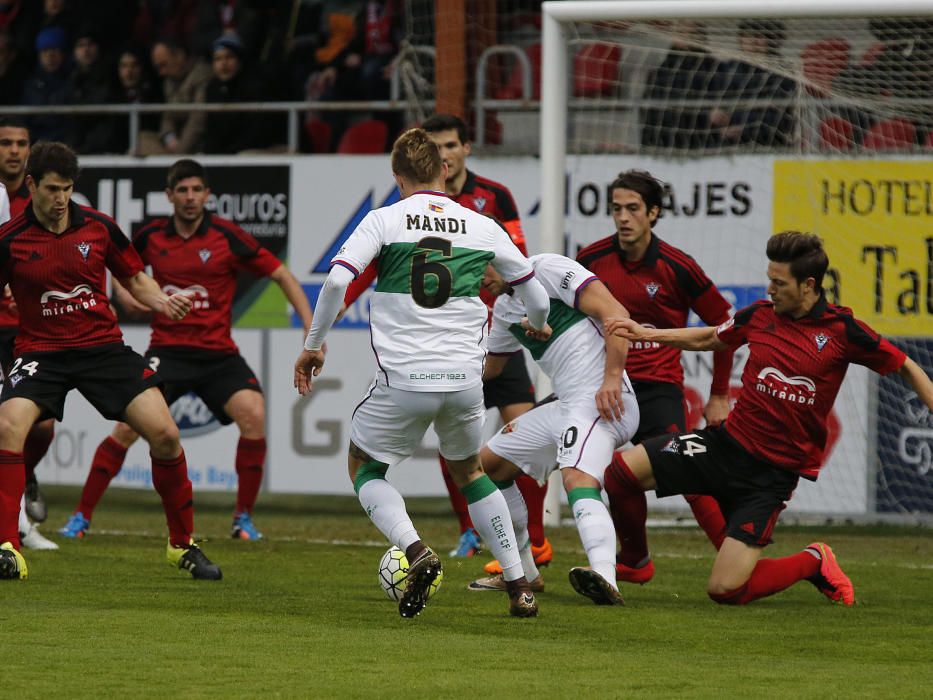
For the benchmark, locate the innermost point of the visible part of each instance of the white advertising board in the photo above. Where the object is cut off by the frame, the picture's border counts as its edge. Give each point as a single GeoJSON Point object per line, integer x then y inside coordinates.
{"type": "Point", "coordinates": [720, 212]}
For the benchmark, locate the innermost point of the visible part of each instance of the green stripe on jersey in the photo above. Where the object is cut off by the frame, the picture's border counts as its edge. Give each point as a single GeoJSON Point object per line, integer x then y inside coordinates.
{"type": "Point", "coordinates": [397, 271]}
{"type": "Point", "coordinates": [560, 318]}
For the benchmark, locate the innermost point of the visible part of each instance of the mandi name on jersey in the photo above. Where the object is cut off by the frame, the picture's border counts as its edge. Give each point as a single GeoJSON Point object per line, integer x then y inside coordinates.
{"type": "Point", "coordinates": [423, 222]}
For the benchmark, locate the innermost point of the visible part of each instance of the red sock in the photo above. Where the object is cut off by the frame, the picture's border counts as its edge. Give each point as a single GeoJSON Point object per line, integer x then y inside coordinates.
{"type": "Point", "coordinates": [533, 493]}
{"type": "Point", "coordinates": [37, 444]}
{"type": "Point", "coordinates": [107, 463]}
{"type": "Point", "coordinates": [170, 479]}
{"type": "Point", "coordinates": [629, 509]}
{"type": "Point", "coordinates": [459, 503]}
{"type": "Point", "coordinates": [709, 516]}
{"type": "Point", "coordinates": [250, 457]}
{"type": "Point", "coordinates": [771, 576]}
{"type": "Point", "coordinates": [12, 485]}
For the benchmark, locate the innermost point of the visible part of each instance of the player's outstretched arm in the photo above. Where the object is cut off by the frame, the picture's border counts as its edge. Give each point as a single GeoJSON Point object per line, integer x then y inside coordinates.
{"type": "Point", "coordinates": [683, 338]}
{"type": "Point", "coordinates": [148, 293]}
{"type": "Point", "coordinates": [294, 293]}
{"type": "Point", "coordinates": [127, 302]}
{"type": "Point", "coordinates": [537, 303]}
{"type": "Point", "coordinates": [918, 380]}
{"type": "Point", "coordinates": [329, 302]}
{"type": "Point", "coordinates": [598, 303]}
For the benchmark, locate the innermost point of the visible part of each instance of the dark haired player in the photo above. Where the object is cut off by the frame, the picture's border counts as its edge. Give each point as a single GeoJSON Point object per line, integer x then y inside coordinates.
{"type": "Point", "coordinates": [659, 285]}
{"type": "Point", "coordinates": [14, 152]}
{"type": "Point", "coordinates": [55, 256]}
{"type": "Point", "coordinates": [800, 347]}
{"type": "Point", "coordinates": [512, 391]}
{"type": "Point", "coordinates": [200, 254]}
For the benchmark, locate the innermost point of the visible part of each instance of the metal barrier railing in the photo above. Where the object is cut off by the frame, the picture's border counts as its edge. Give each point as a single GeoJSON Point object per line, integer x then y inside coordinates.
{"type": "Point", "coordinates": [134, 111]}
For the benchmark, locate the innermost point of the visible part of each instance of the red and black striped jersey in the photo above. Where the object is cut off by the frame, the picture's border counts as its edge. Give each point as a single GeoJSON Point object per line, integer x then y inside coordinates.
{"type": "Point", "coordinates": [204, 266]}
{"type": "Point", "coordinates": [9, 316]}
{"type": "Point", "coordinates": [794, 370]}
{"type": "Point", "coordinates": [482, 195]}
{"type": "Point", "coordinates": [59, 280]}
{"type": "Point", "coordinates": [659, 291]}
{"type": "Point", "coordinates": [485, 196]}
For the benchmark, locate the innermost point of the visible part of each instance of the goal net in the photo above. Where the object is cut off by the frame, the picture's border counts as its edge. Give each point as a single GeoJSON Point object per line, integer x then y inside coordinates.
{"type": "Point", "coordinates": [760, 123]}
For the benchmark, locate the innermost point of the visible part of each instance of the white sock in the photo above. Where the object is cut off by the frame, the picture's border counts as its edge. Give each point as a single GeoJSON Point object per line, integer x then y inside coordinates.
{"type": "Point", "coordinates": [519, 512]}
{"type": "Point", "coordinates": [598, 536]}
{"type": "Point", "coordinates": [386, 508]}
{"type": "Point", "coordinates": [491, 518]}
{"type": "Point", "coordinates": [24, 523]}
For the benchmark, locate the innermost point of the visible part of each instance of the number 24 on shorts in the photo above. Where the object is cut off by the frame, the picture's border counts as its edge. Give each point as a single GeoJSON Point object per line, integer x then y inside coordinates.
{"type": "Point", "coordinates": [29, 368]}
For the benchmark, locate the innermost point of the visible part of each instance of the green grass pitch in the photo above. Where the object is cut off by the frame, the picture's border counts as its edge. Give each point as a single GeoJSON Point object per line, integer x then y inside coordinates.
{"type": "Point", "coordinates": [301, 615]}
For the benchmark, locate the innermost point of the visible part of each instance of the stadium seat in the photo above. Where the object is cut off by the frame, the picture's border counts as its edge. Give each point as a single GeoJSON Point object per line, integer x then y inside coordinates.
{"type": "Point", "coordinates": [364, 137]}
{"type": "Point", "coordinates": [836, 134]}
{"type": "Point", "coordinates": [870, 55]}
{"type": "Point", "coordinates": [890, 134]}
{"type": "Point", "coordinates": [512, 90]}
{"type": "Point", "coordinates": [596, 70]}
{"type": "Point", "coordinates": [319, 135]}
{"type": "Point", "coordinates": [823, 60]}
{"type": "Point", "coordinates": [928, 142]}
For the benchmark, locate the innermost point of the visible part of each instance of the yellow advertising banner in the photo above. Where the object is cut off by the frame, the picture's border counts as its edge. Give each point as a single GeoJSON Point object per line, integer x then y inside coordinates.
{"type": "Point", "coordinates": [876, 219]}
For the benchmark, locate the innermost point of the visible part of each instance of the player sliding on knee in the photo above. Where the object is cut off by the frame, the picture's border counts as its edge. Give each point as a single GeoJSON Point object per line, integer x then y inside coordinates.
{"type": "Point", "coordinates": [800, 347]}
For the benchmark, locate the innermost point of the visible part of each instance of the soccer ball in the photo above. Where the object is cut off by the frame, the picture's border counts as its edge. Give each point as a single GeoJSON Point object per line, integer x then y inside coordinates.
{"type": "Point", "coordinates": [393, 570]}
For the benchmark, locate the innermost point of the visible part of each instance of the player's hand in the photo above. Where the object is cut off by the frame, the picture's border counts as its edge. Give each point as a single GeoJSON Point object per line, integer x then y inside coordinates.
{"type": "Point", "coordinates": [542, 334]}
{"type": "Point", "coordinates": [177, 306]}
{"type": "Point", "coordinates": [307, 366]}
{"type": "Point", "coordinates": [609, 400]}
{"type": "Point", "coordinates": [625, 328]}
{"type": "Point", "coordinates": [717, 409]}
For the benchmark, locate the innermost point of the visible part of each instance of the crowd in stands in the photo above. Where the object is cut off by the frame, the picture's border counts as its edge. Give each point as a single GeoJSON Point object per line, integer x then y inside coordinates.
{"type": "Point", "coordinates": [691, 72]}
{"type": "Point", "coordinates": [897, 67]}
{"type": "Point", "coordinates": [88, 52]}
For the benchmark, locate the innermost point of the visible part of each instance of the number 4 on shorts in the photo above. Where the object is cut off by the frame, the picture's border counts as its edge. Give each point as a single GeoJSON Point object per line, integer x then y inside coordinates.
{"type": "Point", "coordinates": [691, 446]}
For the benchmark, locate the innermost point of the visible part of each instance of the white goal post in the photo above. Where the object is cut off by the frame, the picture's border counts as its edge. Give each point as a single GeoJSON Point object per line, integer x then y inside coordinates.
{"type": "Point", "coordinates": [866, 191]}
{"type": "Point", "coordinates": [555, 69]}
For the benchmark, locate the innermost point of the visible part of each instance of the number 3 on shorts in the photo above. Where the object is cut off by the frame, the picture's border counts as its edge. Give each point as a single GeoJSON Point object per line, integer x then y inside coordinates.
{"type": "Point", "coordinates": [29, 368]}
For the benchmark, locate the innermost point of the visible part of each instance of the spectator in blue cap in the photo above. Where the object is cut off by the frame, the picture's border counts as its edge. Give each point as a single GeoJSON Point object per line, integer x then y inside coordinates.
{"type": "Point", "coordinates": [51, 38]}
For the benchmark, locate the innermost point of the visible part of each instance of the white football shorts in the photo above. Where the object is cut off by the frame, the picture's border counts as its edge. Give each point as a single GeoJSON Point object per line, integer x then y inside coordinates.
{"type": "Point", "coordinates": [389, 423]}
{"type": "Point", "coordinates": [557, 435]}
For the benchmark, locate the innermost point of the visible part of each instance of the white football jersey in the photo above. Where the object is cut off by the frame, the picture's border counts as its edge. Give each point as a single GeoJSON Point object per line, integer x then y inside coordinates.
{"type": "Point", "coordinates": [574, 357]}
{"type": "Point", "coordinates": [428, 323]}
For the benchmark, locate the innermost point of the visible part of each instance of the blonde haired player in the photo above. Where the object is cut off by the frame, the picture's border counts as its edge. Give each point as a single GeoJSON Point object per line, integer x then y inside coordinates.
{"type": "Point", "coordinates": [428, 333]}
